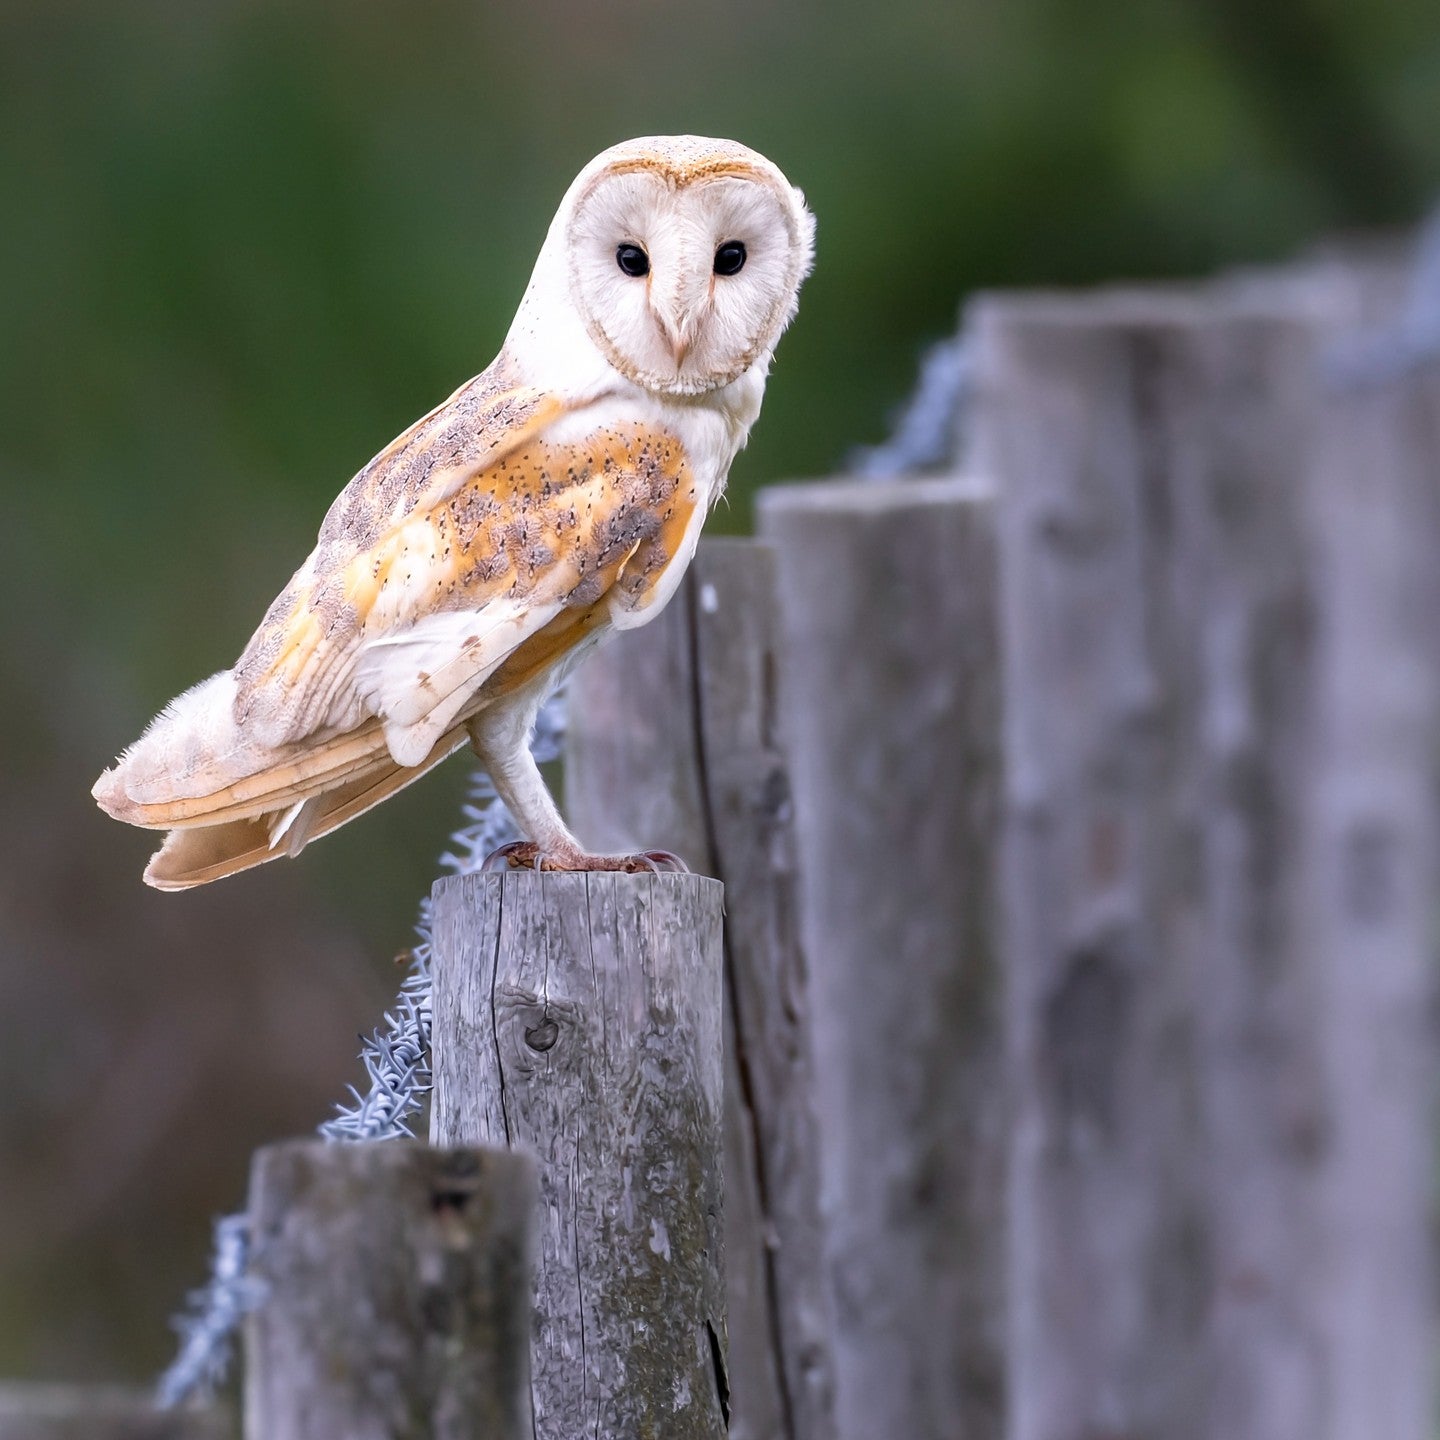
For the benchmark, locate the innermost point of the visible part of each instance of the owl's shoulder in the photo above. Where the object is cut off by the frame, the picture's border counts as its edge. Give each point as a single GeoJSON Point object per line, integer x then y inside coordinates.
{"type": "Point", "coordinates": [486, 415]}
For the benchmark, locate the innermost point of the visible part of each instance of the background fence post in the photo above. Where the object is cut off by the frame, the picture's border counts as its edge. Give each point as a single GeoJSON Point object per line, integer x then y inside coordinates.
{"type": "Point", "coordinates": [1219, 643]}
{"type": "Point", "coordinates": [579, 1016]}
{"type": "Point", "coordinates": [1371, 898]}
{"type": "Point", "coordinates": [674, 742]}
{"type": "Point", "coordinates": [396, 1295]}
{"type": "Point", "coordinates": [101, 1412]}
{"type": "Point", "coordinates": [888, 697]}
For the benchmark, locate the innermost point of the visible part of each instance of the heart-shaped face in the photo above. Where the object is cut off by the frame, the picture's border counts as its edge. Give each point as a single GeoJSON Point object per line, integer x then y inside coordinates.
{"type": "Point", "coordinates": [685, 259]}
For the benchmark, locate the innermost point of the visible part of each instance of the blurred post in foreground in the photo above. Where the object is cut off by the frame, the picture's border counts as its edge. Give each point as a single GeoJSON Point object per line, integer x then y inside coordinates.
{"type": "Point", "coordinates": [396, 1292]}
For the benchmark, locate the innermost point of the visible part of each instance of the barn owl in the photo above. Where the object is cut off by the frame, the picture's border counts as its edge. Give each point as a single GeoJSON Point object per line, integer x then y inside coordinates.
{"type": "Point", "coordinates": [556, 496]}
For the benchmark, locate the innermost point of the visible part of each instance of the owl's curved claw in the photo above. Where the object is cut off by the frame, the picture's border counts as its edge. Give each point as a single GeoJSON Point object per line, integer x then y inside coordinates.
{"type": "Point", "coordinates": [661, 861]}
{"type": "Point", "coordinates": [518, 855]}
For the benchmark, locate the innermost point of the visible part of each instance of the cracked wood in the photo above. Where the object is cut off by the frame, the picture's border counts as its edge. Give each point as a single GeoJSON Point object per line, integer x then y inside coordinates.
{"type": "Point", "coordinates": [579, 1016]}
{"type": "Point", "coordinates": [887, 682]}
{"type": "Point", "coordinates": [674, 741]}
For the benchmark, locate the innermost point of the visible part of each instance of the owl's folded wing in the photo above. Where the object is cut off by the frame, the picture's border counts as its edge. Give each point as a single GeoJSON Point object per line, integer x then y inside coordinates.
{"type": "Point", "coordinates": [464, 562]}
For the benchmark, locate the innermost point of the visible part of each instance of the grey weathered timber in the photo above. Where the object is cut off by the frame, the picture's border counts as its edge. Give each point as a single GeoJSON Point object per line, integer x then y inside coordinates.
{"type": "Point", "coordinates": [887, 682]}
{"type": "Point", "coordinates": [101, 1412]}
{"type": "Point", "coordinates": [1221, 704]}
{"type": "Point", "coordinates": [396, 1293]}
{"type": "Point", "coordinates": [579, 1017]}
{"type": "Point", "coordinates": [674, 742]}
{"type": "Point", "coordinates": [1368, 907]}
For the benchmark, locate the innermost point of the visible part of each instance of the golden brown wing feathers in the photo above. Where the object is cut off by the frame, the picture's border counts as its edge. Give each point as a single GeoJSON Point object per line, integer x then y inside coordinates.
{"type": "Point", "coordinates": [501, 530]}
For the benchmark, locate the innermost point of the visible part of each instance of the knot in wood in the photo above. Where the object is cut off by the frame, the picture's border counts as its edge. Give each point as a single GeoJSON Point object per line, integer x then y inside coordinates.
{"type": "Point", "coordinates": [543, 1035]}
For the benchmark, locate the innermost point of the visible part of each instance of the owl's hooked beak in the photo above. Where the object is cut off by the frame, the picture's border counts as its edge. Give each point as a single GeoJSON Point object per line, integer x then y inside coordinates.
{"type": "Point", "coordinates": [680, 330]}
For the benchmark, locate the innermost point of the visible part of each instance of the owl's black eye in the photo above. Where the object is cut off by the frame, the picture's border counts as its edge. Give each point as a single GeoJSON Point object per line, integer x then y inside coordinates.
{"type": "Point", "coordinates": [632, 260]}
{"type": "Point", "coordinates": [730, 258]}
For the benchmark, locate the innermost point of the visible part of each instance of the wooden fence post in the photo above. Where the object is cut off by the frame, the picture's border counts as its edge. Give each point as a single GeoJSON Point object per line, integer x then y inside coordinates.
{"type": "Point", "coordinates": [396, 1297]}
{"type": "Point", "coordinates": [673, 742]}
{"type": "Point", "coordinates": [1220, 586]}
{"type": "Point", "coordinates": [579, 1016]}
{"type": "Point", "coordinates": [101, 1412]}
{"type": "Point", "coordinates": [1367, 915]}
{"type": "Point", "coordinates": [888, 699]}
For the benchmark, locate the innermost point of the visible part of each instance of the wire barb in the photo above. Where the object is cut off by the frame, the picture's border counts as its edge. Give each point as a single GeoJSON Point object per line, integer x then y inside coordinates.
{"type": "Point", "coordinates": [214, 1312]}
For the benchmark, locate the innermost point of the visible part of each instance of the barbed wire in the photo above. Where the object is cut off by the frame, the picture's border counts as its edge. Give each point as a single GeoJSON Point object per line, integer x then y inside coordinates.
{"type": "Point", "coordinates": [1412, 342]}
{"type": "Point", "coordinates": [212, 1316]}
{"type": "Point", "coordinates": [396, 1057]}
{"type": "Point", "coordinates": [929, 431]}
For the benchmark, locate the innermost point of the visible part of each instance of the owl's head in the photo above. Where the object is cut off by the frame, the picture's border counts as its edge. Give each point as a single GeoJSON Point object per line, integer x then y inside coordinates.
{"type": "Point", "coordinates": [682, 258]}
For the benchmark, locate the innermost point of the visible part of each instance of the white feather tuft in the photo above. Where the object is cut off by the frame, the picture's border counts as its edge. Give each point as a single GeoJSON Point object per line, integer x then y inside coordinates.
{"type": "Point", "coordinates": [189, 749]}
{"type": "Point", "coordinates": [419, 680]}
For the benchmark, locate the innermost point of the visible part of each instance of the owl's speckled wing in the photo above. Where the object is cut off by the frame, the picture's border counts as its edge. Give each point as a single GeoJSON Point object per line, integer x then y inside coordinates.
{"type": "Point", "coordinates": [470, 534]}
{"type": "Point", "coordinates": [465, 561]}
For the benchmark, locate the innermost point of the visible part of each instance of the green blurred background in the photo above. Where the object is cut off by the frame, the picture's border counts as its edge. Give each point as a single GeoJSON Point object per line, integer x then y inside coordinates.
{"type": "Point", "coordinates": [245, 242]}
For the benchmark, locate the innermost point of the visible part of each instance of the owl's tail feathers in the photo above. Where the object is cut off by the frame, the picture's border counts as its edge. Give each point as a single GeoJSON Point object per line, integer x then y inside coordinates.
{"type": "Point", "coordinates": [230, 803]}
{"type": "Point", "coordinates": [201, 853]}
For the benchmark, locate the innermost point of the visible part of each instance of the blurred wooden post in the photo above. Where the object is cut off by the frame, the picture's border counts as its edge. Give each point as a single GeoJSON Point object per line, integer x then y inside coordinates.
{"type": "Point", "coordinates": [1367, 913]}
{"type": "Point", "coordinates": [888, 700]}
{"type": "Point", "coordinates": [673, 742]}
{"type": "Point", "coordinates": [396, 1293]}
{"type": "Point", "coordinates": [101, 1412]}
{"type": "Point", "coordinates": [578, 1016]}
{"type": "Point", "coordinates": [1221, 704]}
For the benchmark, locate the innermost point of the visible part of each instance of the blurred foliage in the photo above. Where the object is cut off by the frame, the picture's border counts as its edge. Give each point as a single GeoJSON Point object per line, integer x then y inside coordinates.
{"type": "Point", "coordinates": [245, 242]}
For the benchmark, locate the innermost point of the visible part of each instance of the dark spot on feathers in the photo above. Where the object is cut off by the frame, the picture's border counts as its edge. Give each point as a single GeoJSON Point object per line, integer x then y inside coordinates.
{"type": "Point", "coordinates": [586, 593]}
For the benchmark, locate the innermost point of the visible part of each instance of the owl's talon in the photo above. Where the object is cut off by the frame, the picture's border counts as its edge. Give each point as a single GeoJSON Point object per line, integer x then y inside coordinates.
{"type": "Point", "coordinates": [527, 855]}
{"type": "Point", "coordinates": [662, 861]}
{"type": "Point", "coordinates": [518, 855]}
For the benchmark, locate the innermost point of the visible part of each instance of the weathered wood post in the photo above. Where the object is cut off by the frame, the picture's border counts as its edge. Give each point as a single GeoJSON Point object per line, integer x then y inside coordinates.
{"type": "Point", "coordinates": [579, 1016]}
{"type": "Point", "coordinates": [1370, 836]}
{"type": "Point", "coordinates": [887, 683]}
{"type": "Point", "coordinates": [396, 1293]}
{"type": "Point", "coordinates": [674, 742]}
{"type": "Point", "coordinates": [1221, 721]}
{"type": "Point", "coordinates": [101, 1412]}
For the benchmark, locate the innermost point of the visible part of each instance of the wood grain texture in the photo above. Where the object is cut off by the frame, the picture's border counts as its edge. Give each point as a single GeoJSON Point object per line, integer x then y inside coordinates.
{"type": "Point", "coordinates": [397, 1301]}
{"type": "Point", "coordinates": [1220, 586]}
{"type": "Point", "coordinates": [674, 742]}
{"type": "Point", "coordinates": [101, 1412]}
{"type": "Point", "coordinates": [888, 701]}
{"type": "Point", "coordinates": [579, 1016]}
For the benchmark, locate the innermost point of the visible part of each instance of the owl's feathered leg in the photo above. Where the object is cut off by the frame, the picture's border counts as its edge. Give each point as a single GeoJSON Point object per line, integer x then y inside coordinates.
{"type": "Point", "coordinates": [500, 737]}
{"type": "Point", "coordinates": [519, 783]}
